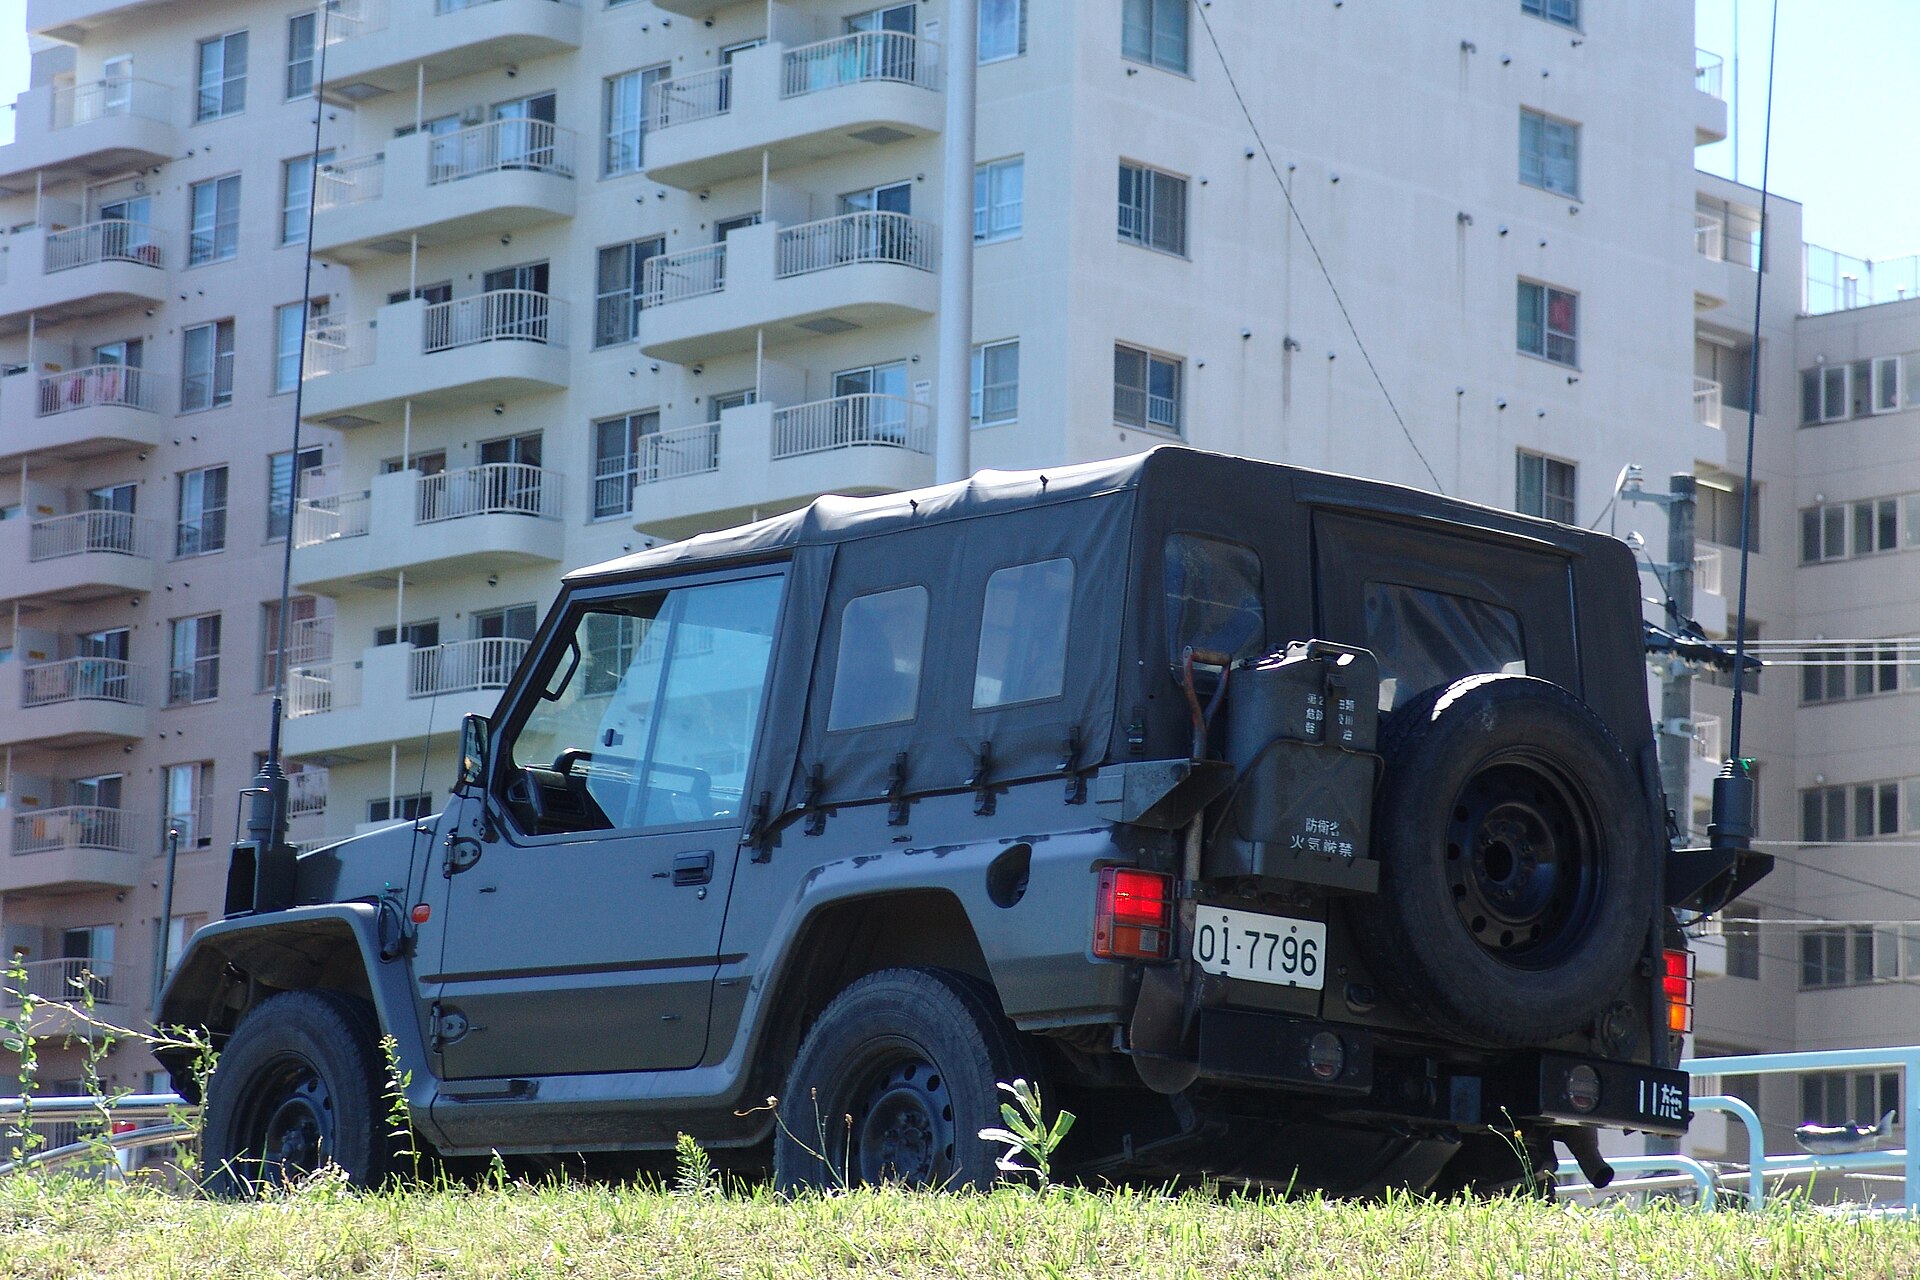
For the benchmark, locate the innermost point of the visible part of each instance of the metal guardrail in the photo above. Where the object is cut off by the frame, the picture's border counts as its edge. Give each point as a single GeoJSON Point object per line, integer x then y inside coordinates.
{"type": "Point", "coordinates": [860, 57]}
{"type": "Point", "coordinates": [76, 826]}
{"type": "Point", "coordinates": [500, 315]}
{"type": "Point", "coordinates": [689, 273]}
{"type": "Point", "coordinates": [684, 99]}
{"type": "Point", "coordinates": [162, 1119]}
{"type": "Point", "coordinates": [513, 143]}
{"type": "Point", "coordinates": [487, 489]}
{"type": "Point", "coordinates": [99, 384]}
{"type": "Point", "coordinates": [865, 236]}
{"type": "Point", "coordinates": [464, 666]}
{"type": "Point", "coordinates": [83, 680]}
{"type": "Point", "coordinates": [78, 532]}
{"type": "Point", "coordinates": [111, 240]}
{"type": "Point", "coordinates": [847, 421]}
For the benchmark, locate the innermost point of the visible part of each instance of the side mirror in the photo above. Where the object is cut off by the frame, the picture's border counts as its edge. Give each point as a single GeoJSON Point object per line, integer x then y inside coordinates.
{"type": "Point", "coordinates": [475, 735]}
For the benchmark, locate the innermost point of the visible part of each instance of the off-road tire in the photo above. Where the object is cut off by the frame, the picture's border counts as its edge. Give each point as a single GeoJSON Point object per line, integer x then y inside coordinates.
{"type": "Point", "coordinates": [298, 1086]}
{"type": "Point", "coordinates": [893, 1083]}
{"type": "Point", "coordinates": [1516, 862]}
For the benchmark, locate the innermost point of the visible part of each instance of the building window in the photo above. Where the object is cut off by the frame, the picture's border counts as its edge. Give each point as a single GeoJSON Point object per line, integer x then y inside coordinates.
{"type": "Point", "coordinates": [996, 383]}
{"type": "Point", "coordinates": [423, 634]}
{"type": "Point", "coordinates": [202, 523]}
{"type": "Point", "coordinates": [1564, 12]}
{"type": "Point", "coordinates": [624, 119]}
{"type": "Point", "coordinates": [185, 792]}
{"type": "Point", "coordinates": [1849, 1097]}
{"type": "Point", "coordinates": [1146, 389]}
{"type": "Point", "coordinates": [1549, 153]}
{"type": "Point", "coordinates": [998, 196]}
{"type": "Point", "coordinates": [618, 446]}
{"type": "Point", "coordinates": [1155, 32]}
{"type": "Point", "coordinates": [289, 332]}
{"type": "Point", "coordinates": [309, 637]}
{"type": "Point", "coordinates": [206, 366]}
{"type": "Point", "coordinates": [404, 808]}
{"type": "Point", "coordinates": [223, 77]}
{"type": "Point", "coordinates": [1153, 209]}
{"type": "Point", "coordinates": [1869, 527]}
{"type": "Point", "coordinates": [300, 50]}
{"type": "Point", "coordinates": [617, 292]}
{"type": "Point", "coordinates": [296, 194]}
{"type": "Point", "coordinates": [1549, 323]}
{"type": "Point", "coordinates": [283, 487]}
{"type": "Point", "coordinates": [193, 663]}
{"type": "Point", "coordinates": [1742, 933]}
{"type": "Point", "coordinates": [1837, 673]}
{"type": "Point", "coordinates": [1860, 811]}
{"type": "Point", "coordinates": [1717, 513]}
{"type": "Point", "coordinates": [1544, 486]}
{"type": "Point", "coordinates": [1861, 389]}
{"type": "Point", "coordinates": [215, 212]}
{"type": "Point", "coordinates": [1003, 29]}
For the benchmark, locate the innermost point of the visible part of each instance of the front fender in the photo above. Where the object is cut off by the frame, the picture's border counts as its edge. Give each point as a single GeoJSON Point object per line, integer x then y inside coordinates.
{"type": "Point", "coordinates": [232, 965]}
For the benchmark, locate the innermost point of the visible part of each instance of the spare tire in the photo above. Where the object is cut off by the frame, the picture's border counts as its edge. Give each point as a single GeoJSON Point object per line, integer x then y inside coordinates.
{"type": "Point", "coordinates": [1516, 862]}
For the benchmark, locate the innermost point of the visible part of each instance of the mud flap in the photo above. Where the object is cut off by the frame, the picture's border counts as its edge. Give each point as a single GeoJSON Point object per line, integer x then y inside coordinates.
{"type": "Point", "coordinates": [1158, 1034]}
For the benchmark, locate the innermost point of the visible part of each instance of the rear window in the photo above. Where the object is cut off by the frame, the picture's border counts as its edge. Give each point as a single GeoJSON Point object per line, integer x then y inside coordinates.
{"type": "Point", "coordinates": [1023, 634]}
{"type": "Point", "coordinates": [1426, 638]}
{"type": "Point", "coordinates": [1213, 598]}
{"type": "Point", "coordinates": [876, 676]}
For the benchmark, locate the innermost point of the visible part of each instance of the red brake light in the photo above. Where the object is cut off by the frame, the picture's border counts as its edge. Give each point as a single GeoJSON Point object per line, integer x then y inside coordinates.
{"type": "Point", "coordinates": [1133, 914]}
{"type": "Point", "coordinates": [1676, 983]}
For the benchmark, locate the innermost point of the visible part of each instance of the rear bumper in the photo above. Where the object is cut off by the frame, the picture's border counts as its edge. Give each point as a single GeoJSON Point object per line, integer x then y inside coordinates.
{"type": "Point", "coordinates": [1371, 1084]}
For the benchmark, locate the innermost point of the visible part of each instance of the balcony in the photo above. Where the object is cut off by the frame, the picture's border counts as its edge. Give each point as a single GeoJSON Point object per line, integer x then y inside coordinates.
{"type": "Point", "coordinates": [1709, 108]}
{"type": "Point", "coordinates": [75, 132]}
{"type": "Point", "coordinates": [76, 702]}
{"type": "Point", "coordinates": [788, 284]}
{"type": "Point", "coordinates": [483, 181]}
{"type": "Point", "coordinates": [71, 20]}
{"type": "Point", "coordinates": [82, 413]}
{"type": "Point", "coordinates": [354, 709]}
{"type": "Point", "coordinates": [497, 515]}
{"type": "Point", "coordinates": [87, 555]}
{"type": "Point", "coordinates": [694, 479]}
{"type": "Point", "coordinates": [75, 849]}
{"type": "Point", "coordinates": [843, 96]}
{"type": "Point", "coordinates": [69, 996]}
{"type": "Point", "coordinates": [80, 271]}
{"type": "Point", "coordinates": [1709, 602]}
{"type": "Point", "coordinates": [378, 47]}
{"type": "Point", "coordinates": [477, 350]}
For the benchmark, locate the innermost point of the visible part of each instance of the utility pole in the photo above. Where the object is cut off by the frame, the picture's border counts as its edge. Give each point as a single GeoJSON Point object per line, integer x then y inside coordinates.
{"type": "Point", "coordinates": [953, 421]}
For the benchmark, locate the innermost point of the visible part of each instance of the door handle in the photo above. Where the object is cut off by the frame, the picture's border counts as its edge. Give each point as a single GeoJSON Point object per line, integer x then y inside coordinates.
{"type": "Point", "coordinates": [693, 868]}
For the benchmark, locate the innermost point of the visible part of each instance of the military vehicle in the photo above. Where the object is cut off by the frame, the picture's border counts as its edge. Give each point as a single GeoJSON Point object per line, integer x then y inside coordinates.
{"type": "Point", "coordinates": [1287, 827]}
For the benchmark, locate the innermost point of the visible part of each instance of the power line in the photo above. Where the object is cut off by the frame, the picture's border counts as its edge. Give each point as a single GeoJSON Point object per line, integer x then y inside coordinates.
{"type": "Point", "coordinates": [1321, 262]}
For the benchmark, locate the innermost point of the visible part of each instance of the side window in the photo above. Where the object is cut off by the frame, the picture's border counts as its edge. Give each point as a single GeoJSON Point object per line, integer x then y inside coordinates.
{"type": "Point", "coordinates": [649, 716]}
{"type": "Point", "coordinates": [1023, 634]}
{"type": "Point", "coordinates": [1427, 638]}
{"type": "Point", "coordinates": [1213, 599]}
{"type": "Point", "coordinates": [876, 675]}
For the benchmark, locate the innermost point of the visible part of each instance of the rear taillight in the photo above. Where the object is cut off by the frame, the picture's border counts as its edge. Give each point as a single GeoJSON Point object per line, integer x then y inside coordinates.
{"type": "Point", "coordinates": [1677, 982]}
{"type": "Point", "coordinates": [1133, 915]}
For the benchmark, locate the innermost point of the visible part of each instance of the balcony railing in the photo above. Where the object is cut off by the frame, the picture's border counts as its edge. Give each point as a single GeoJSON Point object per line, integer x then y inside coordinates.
{"type": "Point", "coordinates": [1706, 72]}
{"type": "Point", "coordinates": [334, 346]}
{"type": "Point", "coordinates": [72, 981]}
{"type": "Point", "coordinates": [345, 182]}
{"type": "Point", "coordinates": [498, 145]}
{"type": "Point", "coordinates": [690, 273]}
{"type": "Point", "coordinates": [100, 384]}
{"type": "Point", "coordinates": [846, 422]}
{"type": "Point", "coordinates": [307, 791]}
{"type": "Point", "coordinates": [115, 96]}
{"type": "Point", "coordinates": [509, 315]}
{"type": "Point", "coordinates": [867, 236]}
{"type": "Point", "coordinates": [340, 515]}
{"type": "Point", "coordinates": [83, 680]}
{"type": "Point", "coordinates": [79, 826]}
{"type": "Point", "coordinates": [667, 455]}
{"type": "Point", "coordinates": [684, 99]}
{"type": "Point", "coordinates": [1706, 737]}
{"type": "Point", "coordinates": [491, 488]}
{"type": "Point", "coordinates": [1706, 402]}
{"type": "Point", "coordinates": [313, 691]}
{"type": "Point", "coordinates": [114, 532]}
{"type": "Point", "coordinates": [860, 58]}
{"type": "Point", "coordinates": [1706, 570]}
{"type": "Point", "coordinates": [1709, 237]}
{"type": "Point", "coordinates": [111, 240]}
{"type": "Point", "coordinates": [463, 666]}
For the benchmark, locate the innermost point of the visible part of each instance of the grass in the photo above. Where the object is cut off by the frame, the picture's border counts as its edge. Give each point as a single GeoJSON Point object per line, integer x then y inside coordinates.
{"type": "Point", "coordinates": [54, 1227]}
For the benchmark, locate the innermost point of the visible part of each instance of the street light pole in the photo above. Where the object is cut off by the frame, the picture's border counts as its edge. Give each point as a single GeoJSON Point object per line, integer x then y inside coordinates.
{"type": "Point", "coordinates": [953, 422]}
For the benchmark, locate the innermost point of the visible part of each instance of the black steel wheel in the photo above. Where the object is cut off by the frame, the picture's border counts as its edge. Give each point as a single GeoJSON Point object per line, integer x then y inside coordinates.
{"type": "Point", "coordinates": [297, 1089]}
{"type": "Point", "coordinates": [1516, 855]}
{"type": "Point", "coordinates": [893, 1083]}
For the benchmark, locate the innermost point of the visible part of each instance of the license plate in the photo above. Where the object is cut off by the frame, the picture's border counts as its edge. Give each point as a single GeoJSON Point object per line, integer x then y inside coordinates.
{"type": "Point", "coordinates": [1260, 948]}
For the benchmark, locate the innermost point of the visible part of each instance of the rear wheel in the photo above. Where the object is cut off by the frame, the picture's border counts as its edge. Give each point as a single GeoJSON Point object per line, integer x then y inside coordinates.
{"type": "Point", "coordinates": [894, 1083]}
{"type": "Point", "coordinates": [1516, 852]}
{"type": "Point", "coordinates": [297, 1088]}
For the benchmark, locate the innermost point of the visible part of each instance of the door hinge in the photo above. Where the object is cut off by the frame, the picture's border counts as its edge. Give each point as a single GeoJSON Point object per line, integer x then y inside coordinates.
{"type": "Point", "coordinates": [462, 853]}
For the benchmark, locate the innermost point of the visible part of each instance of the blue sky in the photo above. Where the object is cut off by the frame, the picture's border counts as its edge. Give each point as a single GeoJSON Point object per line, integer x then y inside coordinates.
{"type": "Point", "coordinates": [1845, 110]}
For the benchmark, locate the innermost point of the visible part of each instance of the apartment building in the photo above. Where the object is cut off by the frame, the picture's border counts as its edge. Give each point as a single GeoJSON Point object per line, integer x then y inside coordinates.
{"type": "Point", "coordinates": [587, 274]}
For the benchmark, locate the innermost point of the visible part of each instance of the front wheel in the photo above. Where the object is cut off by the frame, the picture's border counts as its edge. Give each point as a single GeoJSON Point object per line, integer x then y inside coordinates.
{"type": "Point", "coordinates": [894, 1083]}
{"type": "Point", "coordinates": [297, 1088]}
